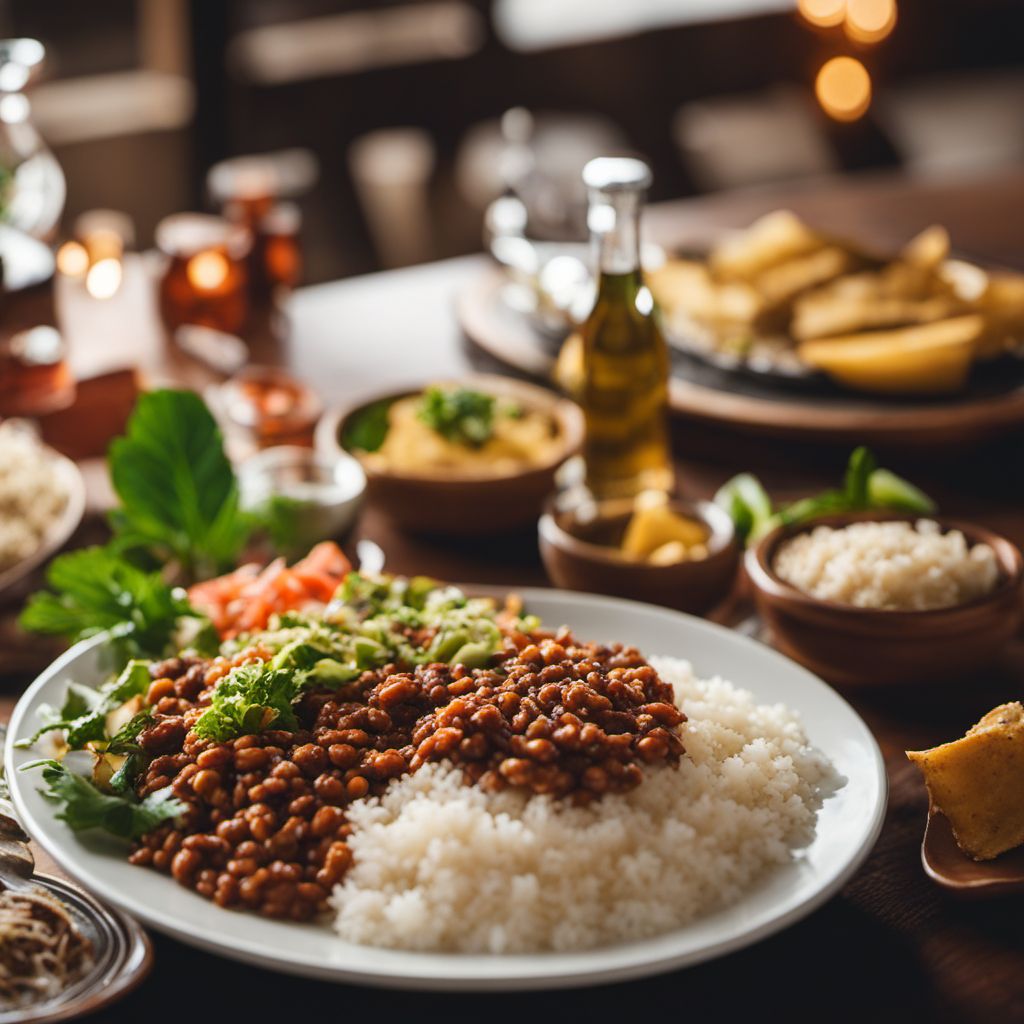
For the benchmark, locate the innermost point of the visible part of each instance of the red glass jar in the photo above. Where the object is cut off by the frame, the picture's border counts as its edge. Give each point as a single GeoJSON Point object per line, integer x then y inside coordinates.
{"type": "Point", "coordinates": [206, 279]}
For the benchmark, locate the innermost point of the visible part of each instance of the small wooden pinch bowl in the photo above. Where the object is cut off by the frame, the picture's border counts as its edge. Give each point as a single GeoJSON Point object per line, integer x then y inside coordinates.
{"type": "Point", "coordinates": [852, 646]}
{"type": "Point", "coordinates": [465, 505]}
{"type": "Point", "coordinates": [948, 866]}
{"type": "Point", "coordinates": [582, 554]}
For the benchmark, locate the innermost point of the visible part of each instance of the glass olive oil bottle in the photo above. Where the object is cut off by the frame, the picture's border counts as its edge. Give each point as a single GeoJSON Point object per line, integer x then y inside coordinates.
{"type": "Point", "coordinates": [624, 391]}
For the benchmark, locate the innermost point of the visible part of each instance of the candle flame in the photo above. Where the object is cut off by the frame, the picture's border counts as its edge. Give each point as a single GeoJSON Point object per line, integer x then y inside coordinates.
{"type": "Point", "coordinates": [843, 88]}
{"type": "Point", "coordinates": [104, 278]}
{"type": "Point", "coordinates": [72, 259]}
{"type": "Point", "coordinates": [823, 13]}
{"type": "Point", "coordinates": [870, 21]}
{"type": "Point", "coordinates": [207, 270]}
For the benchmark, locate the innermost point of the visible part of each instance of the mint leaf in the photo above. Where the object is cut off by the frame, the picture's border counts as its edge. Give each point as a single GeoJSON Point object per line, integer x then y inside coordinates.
{"type": "Point", "coordinates": [85, 806]}
{"type": "Point", "coordinates": [178, 491]}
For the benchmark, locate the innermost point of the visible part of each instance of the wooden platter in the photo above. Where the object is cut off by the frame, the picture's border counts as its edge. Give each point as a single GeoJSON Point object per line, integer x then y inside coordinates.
{"type": "Point", "coordinates": [704, 393]}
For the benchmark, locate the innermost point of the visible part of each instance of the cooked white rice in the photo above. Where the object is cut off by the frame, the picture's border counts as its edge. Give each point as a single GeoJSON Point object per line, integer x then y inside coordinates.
{"type": "Point", "coordinates": [444, 866]}
{"type": "Point", "coordinates": [897, 566]}
{"type": "Point", "coordinates": [31, 495]}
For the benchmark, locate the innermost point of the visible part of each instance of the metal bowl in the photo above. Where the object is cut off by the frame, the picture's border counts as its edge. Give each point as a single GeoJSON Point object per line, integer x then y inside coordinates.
{"type": "Point", "coordinates": [122, 957]}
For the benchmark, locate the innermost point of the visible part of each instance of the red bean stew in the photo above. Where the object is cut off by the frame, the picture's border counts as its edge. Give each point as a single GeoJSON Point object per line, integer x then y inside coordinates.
{"type": "Point", "coordinates": [265, 826]}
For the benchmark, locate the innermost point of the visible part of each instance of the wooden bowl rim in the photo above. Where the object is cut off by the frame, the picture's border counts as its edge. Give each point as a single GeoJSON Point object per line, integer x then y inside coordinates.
{"type": "Point", "coordinates": [769, 584]}
{"type": "Point", "coordinates": [566, 414]}
{"type": "Point", "coordinates": [721, 541]}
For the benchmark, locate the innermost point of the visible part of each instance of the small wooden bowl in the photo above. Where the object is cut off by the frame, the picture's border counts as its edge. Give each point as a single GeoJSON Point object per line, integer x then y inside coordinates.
{"type": "Point", "coordinates": [584, 555]}
{"type": "Point", "coordinates": [466, 505]}
{"type": "Point", "coordinates": [852, 646]}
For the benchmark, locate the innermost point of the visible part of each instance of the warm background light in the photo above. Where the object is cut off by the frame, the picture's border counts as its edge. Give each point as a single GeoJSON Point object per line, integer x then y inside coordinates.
{"type": "Point", "coordinates": [72, 259]}
{"type": "Point", "coordinates": [823, 13]}
{"type": "Point", "coordinates": [870, 21]}
{"type": "Point", "coordinates": [843, 88]}
{"type": "Point", "coordinates": [207, 271]}
{"type": "Point", "coordinates": [104, 279]}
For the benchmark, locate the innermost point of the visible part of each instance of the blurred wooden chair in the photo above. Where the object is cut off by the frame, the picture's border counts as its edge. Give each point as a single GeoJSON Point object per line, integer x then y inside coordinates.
{"type": "Point", "coordinates": [956, 124]}
{"type": "Point", "coordinates": [392, 170]}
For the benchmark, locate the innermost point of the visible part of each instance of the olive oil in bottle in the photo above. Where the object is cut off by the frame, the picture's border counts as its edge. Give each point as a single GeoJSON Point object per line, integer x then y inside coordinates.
{"type": "Point", "coordinates": [624, 387]}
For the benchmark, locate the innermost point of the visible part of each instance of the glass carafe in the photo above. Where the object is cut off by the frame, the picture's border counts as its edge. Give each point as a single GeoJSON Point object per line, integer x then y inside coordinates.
{"type": "Point", "coordinates": [32, 187]}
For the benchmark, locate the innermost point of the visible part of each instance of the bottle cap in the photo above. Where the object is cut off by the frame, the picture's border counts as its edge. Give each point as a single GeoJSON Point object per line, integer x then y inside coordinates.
{"type": "Point", "coordinates": [617, 174]}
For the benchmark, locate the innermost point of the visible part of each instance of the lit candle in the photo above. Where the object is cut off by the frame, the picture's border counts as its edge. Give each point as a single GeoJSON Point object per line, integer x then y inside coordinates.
{"type": "Point", "coordinates": [96, 253]}
{"type": "Point", "coordinates": [249, 190]}
{"type": "Point", "coordinates": [205, 279]}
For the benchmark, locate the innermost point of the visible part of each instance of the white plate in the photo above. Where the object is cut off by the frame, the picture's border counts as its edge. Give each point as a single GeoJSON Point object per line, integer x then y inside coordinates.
{"type": "Point", "coordinates": [847, 828]}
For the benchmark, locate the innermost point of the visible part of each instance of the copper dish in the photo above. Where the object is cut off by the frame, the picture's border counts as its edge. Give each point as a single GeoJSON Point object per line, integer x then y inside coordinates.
{"type": "Point", "coordinates": [852, 646]}
{"type": "Point", "coordinates": [465, 505]}
{"type": "Point", "coordinates": [582, 554]}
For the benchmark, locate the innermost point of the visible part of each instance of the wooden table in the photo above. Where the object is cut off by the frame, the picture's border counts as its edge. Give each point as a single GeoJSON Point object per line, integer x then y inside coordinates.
{"type": "Point", "coordinates": [890, 946]}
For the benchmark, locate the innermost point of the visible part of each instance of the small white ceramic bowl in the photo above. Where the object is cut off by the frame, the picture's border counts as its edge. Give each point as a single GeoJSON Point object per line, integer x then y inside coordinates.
{"type": "Point", "coordinates": [318, 495]}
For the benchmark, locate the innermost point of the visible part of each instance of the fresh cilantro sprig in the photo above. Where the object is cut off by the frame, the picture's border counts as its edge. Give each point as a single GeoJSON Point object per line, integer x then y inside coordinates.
{"type": "Point", "coordinates": [84, 806]}
{"type": "Point", "coordinates": [460, 415]}
{"type": "Point", "coordinates": [94, 590]}
{"type": "Point", "coordinates": [83, 716]}
{"type": "Point", "coordinates": [865, 486]}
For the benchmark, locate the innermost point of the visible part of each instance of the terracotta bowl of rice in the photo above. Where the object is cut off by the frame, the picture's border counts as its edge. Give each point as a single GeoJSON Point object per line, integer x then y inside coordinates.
{"type": "Point", "coordinates": [887, 599]}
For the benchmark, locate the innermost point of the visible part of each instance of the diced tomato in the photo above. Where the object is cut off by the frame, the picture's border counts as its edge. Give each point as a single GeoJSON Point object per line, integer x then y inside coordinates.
{"type": "Point", "coordinates": [244, 600]}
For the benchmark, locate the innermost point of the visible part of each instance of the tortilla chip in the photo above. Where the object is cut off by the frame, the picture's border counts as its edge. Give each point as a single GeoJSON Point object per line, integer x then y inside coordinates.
{"type": "Point", "coordinates": [978, 782]}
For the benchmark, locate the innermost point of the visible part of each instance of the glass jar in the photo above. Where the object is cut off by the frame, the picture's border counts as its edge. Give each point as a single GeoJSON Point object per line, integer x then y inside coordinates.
{"type": "Point", "coordinates": [205, 280]}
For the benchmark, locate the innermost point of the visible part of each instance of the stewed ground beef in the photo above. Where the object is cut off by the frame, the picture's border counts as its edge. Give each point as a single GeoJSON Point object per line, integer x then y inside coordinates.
{"type": "Point", "coordinates": [266, 827]}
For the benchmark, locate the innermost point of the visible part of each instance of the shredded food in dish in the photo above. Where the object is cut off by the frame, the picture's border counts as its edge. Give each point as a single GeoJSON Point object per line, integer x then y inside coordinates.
{"type": "Point", "coordinates": [41, 949]}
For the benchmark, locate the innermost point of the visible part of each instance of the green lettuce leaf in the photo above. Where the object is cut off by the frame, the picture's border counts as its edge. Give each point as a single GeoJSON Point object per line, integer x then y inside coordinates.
{"type": "Point", "coordinates": [248, 700]}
